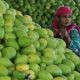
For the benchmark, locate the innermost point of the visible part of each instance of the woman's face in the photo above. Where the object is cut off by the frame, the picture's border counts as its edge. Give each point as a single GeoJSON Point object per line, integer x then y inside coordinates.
{"type": "Point", "coordinates": [64, 20]}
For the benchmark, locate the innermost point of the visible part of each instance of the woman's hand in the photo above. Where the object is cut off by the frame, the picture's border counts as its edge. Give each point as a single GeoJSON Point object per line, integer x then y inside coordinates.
{"type": "Point", "coordinates": [64, 34]}
{"type": "Point", "coordinates": [61, 31]}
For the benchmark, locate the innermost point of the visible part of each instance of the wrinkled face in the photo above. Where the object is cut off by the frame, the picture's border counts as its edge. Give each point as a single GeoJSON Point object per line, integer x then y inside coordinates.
{"type": "Point", "coordinates": [64, 20]}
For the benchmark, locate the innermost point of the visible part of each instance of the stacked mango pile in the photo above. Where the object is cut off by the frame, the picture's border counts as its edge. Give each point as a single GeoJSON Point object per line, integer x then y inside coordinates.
{"type": "Point", "coordinates": [31, 52]}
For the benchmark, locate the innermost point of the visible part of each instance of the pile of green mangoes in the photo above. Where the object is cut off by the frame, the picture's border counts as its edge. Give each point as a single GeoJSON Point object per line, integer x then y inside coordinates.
{"type": "Point", "coordinates": [29, 52]}
{"type": "Point", "coordinates": [42, 11]}
{"type": "Point", "coordinates": [78, 16]}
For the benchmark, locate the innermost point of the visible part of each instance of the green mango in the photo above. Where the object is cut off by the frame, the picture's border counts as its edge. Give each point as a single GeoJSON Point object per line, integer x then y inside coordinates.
{"type": "Point", "coordinates": [43, 44]}
{"type": "Point", "coordinates": [70, 77]}
{"type": "Point", "coordinates": [30, 74]}
{"type": "Point", "coordinates": [22, 67]}
{"type": "Point", "coordinates": [8, 27]}
{"type": "Point", "coordinates": [76, 74]}
{"type": "Point", "coordinates": [12, 43]}
{"type": "Point", "coordinates": [44, 75]}
{"type": "Point", "coordinates": [60, 49]}
{"type": "Point", "coordinates": [18, 75]}
{"type": "Point", "coordinates": [20, 27]}
{"type": "Point", "coordinates": [28, 50]}
{"type": "Point", "coordinates": [12, 12]}
{"type": "Point", "coordinates": [3, 71]}
{"type": "Point", "coordinates": [47, 60]}
{"type": "Point", "coordinates": [21, 33]}
{"type": "Point", "coordinates": [5, 62]}
{"type": "Point", "coordinates": [33, 35]}
{"type": "Point", "coordinates": [34, 58]}
{"type": "Point", "coordinates": [61, 43]}
{"type": "Point", "coordinates": [9, 35]}
{"type": "Point", "coordinates": [42, 32]}
{"type": "Point", "coordinates": [22, 59]}
{"type": "Point", "coordinates": [21, 19]}
{"type": "Point", "coordinates": [49, 52]}
{"type": "Point", "coordinates": [5, 78]}
{"type": "Point", "coordinates": [65, 69]}
{"type": "Point", "coordinates": [17, 22]}
{"type": "Point", "coordinates": [6, 4]}
{"type": "Point", "coordinates": [8, 17]}
{"type": "Point", "coordinates": [9, 52]}
{"type": "Point", "coordinates": [35, 67]}
{"type": "Point", "coordinates": [73, 57]}
{"type": "Point", "coordinates": [69, 63]}
{"type": "Point", "coordinates": [52, 42]}
{"type": "Point", "coordinates": [25, 41]}
{"type": "Point", "coordinates": [50, 33]}
{"type": "Point", "coordinates": [54, 70]}
{"type": "Point", "coordinates": [8, 20]}
{"type": "Point", "coordinates": [43, 66]}
{"type": "Point", "coordinates": [36, 45]}
{"type": "Point", "coordinates": [2, 7]}
{"type": "Point", "coordinates": [37, 26]}
{"type": "Point", "coordinates": [58, 61]}
{"type": "Point", "coordinates": [30, 26]}
{"type": "Point", "coordinates": [28, 18]}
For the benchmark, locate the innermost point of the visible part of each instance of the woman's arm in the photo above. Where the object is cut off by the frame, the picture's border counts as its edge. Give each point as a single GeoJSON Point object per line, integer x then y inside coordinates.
{"type": "Point", "coordinates": [75, 41]}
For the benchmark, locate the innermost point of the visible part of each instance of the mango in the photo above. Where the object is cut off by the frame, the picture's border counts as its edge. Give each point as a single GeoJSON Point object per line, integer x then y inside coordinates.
{"type": "Point", "coordinates": [9, 52]}
{"type": "Point", "coordinates": [22, 59]}
{"type": "Point", "coordinates": [18, 75]}
{"type": "Point", "coordinates": [5, 62]}
{"type": "Point", "coordinates": [3, 71]}
{"type": "Point", "coordinates": [44, 73]}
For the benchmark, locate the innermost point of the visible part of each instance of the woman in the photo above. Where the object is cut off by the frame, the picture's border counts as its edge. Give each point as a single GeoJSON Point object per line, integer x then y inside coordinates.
{"type": "Point", "coordinates": [63, 28]}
